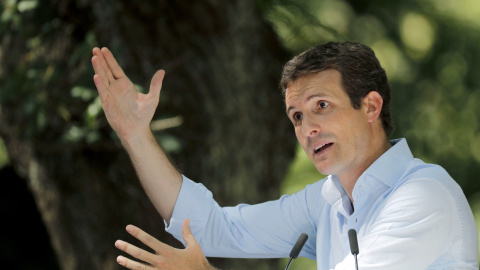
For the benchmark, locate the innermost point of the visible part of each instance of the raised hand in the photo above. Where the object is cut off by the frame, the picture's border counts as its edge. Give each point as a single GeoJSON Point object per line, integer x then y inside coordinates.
{"type": "Point", "coordinates": [128, 112]}
{"type": "Point", "coordinates": [166, 257]}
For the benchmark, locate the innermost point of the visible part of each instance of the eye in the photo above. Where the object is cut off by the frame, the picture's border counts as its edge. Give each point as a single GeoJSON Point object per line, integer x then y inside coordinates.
{"type": "Point", "coordinates": [298, 117]}
{"type": "Point", "coordinates": [323, 104]}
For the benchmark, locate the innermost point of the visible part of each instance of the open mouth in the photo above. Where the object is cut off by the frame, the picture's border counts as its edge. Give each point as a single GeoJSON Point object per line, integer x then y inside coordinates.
{"type": "Point", "coordinates": [322, 148]}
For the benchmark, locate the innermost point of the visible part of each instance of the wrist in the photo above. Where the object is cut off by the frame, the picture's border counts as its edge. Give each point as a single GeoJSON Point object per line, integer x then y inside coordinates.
{"type": "Point", "coordinates": [137, 140]}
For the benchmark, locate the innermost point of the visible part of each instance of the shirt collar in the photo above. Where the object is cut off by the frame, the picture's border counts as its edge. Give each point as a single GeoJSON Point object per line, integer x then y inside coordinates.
{"type": "Point", "coordinates": [388, 168]}
{"type": "Point", "coordinates": [335, 195]}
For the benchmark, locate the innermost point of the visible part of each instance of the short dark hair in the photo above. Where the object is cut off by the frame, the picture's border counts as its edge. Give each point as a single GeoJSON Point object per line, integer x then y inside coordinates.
{"type": "Point", "coordinates": [360, 69]}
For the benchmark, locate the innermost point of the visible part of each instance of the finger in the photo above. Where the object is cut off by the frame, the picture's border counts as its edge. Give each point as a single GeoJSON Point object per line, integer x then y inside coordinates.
{"type": "Point", "coordinates": [156, 84]}
{"type": "Point", "coordinates": [187, 233]}
{"type": "Point", "coordinates": [95, 51]}
{"type": "Point", "coordinates": [99, 70]}
{"type": "Point", "coordinates": [102, 89]}
{"type": "Point", "coordinates": [146, 238]}
{"type": "Point", "coordinates": [102, 65]}
{"type": "Point", "coordinates": [115, 68]}
{"type": "Point", "coordinates": [131, 264]}
{"type": "Point", "coordinates": [134, 251]}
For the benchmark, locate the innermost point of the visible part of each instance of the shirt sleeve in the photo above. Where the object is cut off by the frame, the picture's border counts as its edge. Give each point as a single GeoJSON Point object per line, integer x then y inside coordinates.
{"type": "Point", "coordinates": [266, 230]}
{"type": "Point", "coordinates": [413, 229]}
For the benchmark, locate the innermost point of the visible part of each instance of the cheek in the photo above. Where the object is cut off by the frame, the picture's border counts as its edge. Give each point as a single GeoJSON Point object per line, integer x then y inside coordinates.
{"type": "Point", "coordinates": [298, 134]}
{"type": "Point", "coordinates": [300, 138]}
{"type": "Point", "coordinates": [352, 123]}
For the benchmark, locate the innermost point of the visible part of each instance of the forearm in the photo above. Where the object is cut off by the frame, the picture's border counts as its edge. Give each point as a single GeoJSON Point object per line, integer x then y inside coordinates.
{"type": "Point", "coordinates": [159, 178]}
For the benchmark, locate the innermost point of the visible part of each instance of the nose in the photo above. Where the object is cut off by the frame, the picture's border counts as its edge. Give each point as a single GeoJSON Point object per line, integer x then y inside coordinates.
{"type": "Point", "coordinates": [309, 126]}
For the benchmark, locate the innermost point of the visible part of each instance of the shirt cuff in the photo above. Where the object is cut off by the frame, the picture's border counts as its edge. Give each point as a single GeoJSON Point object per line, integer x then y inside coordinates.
{"type": "Point", "coordinates": [194, 202]}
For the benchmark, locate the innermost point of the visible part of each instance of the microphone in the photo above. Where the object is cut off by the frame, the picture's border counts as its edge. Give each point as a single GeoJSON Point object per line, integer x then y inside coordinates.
{"type": "Point", "coordinates": [352, 238]}
{"type": "Point", "coordinates": [297, 248]}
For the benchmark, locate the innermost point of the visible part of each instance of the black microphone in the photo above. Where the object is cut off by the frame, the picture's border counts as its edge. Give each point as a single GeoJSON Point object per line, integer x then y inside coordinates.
{"type": "Point", "coordinates": [352, 238]}
{"type": "Point", "coordinates": [297, 248]}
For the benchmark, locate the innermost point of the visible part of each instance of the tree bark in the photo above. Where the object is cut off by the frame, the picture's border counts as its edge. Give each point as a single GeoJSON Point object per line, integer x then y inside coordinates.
{"type": "Point", "coordinates": [223, 64]}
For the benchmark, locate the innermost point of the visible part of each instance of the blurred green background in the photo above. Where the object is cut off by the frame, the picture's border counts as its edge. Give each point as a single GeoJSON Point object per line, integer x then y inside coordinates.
{"type": "Point", "coordinates": [429, 49]}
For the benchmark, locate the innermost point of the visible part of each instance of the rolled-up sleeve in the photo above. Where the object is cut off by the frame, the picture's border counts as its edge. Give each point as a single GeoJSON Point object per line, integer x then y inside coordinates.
{"type": "Point", "coordinates": [266, 230]}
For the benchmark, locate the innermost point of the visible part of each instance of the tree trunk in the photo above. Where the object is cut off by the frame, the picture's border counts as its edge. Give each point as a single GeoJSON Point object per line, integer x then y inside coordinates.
{"type": "Point", "coordinates": [223, 63]}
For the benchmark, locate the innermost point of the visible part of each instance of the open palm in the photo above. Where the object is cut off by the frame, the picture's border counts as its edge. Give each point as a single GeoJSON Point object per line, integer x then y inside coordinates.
{"type": "Point", "coordinates": [128, 111]}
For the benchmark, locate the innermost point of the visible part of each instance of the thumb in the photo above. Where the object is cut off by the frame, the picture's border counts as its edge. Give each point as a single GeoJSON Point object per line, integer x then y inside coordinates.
{"type": "Point", "coordinates": [187, 233]}
{"type": "Point", "coordinates": [156, 84]}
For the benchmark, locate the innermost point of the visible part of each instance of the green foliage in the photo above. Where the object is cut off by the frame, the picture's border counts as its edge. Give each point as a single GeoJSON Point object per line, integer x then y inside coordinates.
{"type": "Point", "coordinates": [300, 173]}
{"type": "Point", "coordinates": [34, 74]}
{"type": "Point", "coordinates": [3, 154]}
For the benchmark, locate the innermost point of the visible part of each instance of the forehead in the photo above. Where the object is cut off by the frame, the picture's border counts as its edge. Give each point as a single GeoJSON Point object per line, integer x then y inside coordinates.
{"type": "Point", "coordinates": [327, 83]}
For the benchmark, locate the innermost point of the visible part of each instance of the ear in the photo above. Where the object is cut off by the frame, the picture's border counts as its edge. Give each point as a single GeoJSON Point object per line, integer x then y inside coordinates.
{"type": "Point", "coordinates": [373, 103]}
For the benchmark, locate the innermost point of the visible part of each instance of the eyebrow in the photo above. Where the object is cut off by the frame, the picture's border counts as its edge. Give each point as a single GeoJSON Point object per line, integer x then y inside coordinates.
{"type": "Point", "coordinates": [309, 98]}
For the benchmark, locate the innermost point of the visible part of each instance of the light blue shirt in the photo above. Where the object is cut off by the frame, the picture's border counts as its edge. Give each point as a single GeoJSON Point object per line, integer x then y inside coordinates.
{"type": "Point", "coordinates": [407, 214]}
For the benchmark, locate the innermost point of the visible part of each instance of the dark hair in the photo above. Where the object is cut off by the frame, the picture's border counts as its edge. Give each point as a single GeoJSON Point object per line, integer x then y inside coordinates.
{"type": "Point", "coordinates": [360, 69]}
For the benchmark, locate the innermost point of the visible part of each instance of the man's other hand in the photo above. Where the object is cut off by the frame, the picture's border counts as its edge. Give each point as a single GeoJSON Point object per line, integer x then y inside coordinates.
{"type": "Point", "coordinates": [165, 257]}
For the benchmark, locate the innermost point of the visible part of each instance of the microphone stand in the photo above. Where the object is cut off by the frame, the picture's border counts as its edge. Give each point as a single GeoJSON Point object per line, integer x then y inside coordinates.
{"type": "Point", "coordinates": [356, 261]}
{"type": "Point", "coordinates": [297, 248]}
{"type": "Point", "coordinates": [289, 262]}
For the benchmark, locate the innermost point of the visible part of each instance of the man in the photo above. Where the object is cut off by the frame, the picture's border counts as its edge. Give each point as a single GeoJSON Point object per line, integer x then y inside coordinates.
{"type": "Point", "coordinates": [408, 214]}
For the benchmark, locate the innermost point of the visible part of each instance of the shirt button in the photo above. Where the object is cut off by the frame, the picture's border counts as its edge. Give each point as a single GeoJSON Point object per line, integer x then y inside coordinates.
{"type": "Point", "coordinates": [356, 220]}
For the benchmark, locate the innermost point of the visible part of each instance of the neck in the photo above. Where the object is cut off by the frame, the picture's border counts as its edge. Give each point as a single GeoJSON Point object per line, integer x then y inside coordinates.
{"type": "Point", "coordinates": [349, 179]}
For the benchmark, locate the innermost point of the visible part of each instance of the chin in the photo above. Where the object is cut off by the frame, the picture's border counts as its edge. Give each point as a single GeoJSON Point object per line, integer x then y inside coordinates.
{"type": "Point", "coordinates": [324, 170]}
{"type": "Point", "coordinates": [327, 168]}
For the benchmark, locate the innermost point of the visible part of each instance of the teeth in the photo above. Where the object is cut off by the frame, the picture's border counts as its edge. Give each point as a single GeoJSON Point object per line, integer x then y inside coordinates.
{"type": "Point", "coordinates": [318, 148]}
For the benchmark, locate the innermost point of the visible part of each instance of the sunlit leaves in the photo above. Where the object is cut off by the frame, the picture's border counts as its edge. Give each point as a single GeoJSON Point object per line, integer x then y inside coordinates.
{"type": "Point", "coordinates": [447, 123]}
{"type": "Point", "coordinates": [77, 133]}
{"type": "Point", "coordinates": [27, 5]}
{"type": "Point", "coordinates": [451, 69]}
{"type": "Point", "coordinates": [337, 15]}
{"type": "Point", "coordinates": [466, 12]}
{"type": "Point", "coordinates": [9, 8]}
{"type": "Point", "coordinates": [3, 154]}
{"type": "Point", "coordinates": [300, 173]}
{"type": "Point", "coordinates": [87, 129]}
{"type": "Point", "coordinates": [84, 93]}
{"type": "Point", "coordinates": [302, 24]}
{"type": "Point", "coordinates": [418, 34]}
{"type": "Point", "coordinates": [169, 143]}
{"type": "Point", "coordinates": [475, 148]}
{"type": "Point", "coordinates": [393, 60]}
{"type": "Point", "coordinates": [367, 28]}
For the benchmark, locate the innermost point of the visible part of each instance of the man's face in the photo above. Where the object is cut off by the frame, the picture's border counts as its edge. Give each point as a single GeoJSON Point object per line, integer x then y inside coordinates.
{"type": "Point", "coordinates": [334, 135]}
